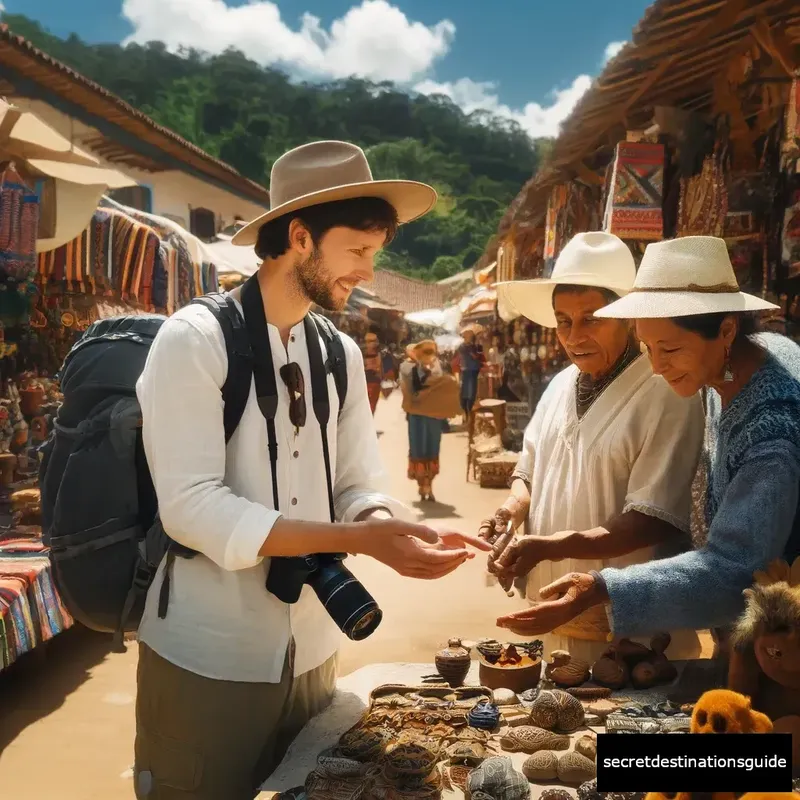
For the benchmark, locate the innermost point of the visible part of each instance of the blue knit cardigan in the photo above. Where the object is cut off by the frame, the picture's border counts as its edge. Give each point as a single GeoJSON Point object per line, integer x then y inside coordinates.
{"type": "Point", "coordinates": [753, 455]}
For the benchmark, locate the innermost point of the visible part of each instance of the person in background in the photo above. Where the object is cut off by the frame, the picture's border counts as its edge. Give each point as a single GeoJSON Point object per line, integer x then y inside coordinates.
{"type": "Point", "coordinates": [606, 470]}
{"type": "Point", "coordinates": [470, 362]}
{"type": "Point", "coordinates": [388, 365]}
{"type": "Point", "coordinates": [424, 432]}
{"type": "Point", "coordinates": [699, 332]}
{"type": "Point", "coordinates": [373, 369]}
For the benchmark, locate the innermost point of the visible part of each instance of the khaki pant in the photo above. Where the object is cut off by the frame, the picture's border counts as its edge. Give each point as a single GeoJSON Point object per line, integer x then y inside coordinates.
{"type": "Point", "coordinates": [204, 739]}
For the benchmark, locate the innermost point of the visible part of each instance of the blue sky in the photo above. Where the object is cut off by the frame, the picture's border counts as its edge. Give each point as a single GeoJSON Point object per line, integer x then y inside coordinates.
{"type": "Point", "coordinates": [527, 59]}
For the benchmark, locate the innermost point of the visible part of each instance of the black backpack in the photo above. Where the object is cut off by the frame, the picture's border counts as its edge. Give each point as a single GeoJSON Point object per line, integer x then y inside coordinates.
{"type": "Point", "coordinates": [99, 507]}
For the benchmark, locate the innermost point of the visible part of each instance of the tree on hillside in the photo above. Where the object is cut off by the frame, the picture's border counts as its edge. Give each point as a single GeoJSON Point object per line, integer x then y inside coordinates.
{"type": "Point", "coordinates": [248, 115]}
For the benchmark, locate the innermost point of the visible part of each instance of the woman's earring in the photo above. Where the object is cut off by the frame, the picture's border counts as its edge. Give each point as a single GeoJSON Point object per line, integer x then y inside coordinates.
{"type": "Point", "coordinates": [728, 376]}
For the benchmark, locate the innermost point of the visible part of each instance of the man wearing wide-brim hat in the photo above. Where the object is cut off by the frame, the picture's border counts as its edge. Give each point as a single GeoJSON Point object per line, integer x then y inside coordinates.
{"type": "Point", "coordinates": [231, 673]}
{"type": "Point", "coordinates": [608, 460]}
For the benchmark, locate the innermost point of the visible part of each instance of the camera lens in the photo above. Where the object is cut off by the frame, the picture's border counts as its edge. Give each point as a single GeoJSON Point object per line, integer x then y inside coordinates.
{"type": "Point", "coordinates": [346, 600]}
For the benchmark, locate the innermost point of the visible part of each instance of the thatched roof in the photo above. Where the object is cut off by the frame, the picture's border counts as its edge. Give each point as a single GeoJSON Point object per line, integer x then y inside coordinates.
{"type": "Point", "coordinates": [31, 72]}
{"type": "Point", "coordinates": [677, 52]}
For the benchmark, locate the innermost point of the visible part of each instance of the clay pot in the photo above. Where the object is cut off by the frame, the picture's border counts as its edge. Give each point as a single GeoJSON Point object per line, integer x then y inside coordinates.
{"type": "Point", "coordinates": [453, 663]}
{"type": "Point", "coordinates": [517, 677]}
{"type": "Point", "coordinates": [31, 400]}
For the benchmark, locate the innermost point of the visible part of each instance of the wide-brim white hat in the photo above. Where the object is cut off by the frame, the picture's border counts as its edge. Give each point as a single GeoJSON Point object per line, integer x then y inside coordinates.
{"type": "Point", "coordinates": [684, 277]}
{"type": "Point", "coordinates": [322, 172]}
{"type": "Point", "coordinates": [595, 260]}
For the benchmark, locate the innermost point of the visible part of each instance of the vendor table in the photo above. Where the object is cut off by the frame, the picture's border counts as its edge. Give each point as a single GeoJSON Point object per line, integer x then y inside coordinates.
{"type": "Point", "coordinates": [351, 700]}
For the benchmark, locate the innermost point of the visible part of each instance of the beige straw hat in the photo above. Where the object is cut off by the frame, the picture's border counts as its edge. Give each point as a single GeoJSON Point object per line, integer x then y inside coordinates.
{"type": "Point", "coordinates": [322, 172]}
{"type": "Point", "coordinates": [595, 260]}
{"type": "Point", "coordinates": [683, 277]}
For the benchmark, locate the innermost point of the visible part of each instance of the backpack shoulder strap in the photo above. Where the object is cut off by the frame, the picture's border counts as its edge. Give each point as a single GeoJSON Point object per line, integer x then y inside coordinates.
{"type": "Point", "coordinates": [236, 389]}
{"type": "Point", "coordinates": [337, 359]}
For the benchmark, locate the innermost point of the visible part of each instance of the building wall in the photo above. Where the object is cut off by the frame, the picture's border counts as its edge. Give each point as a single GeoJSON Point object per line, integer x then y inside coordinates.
{"type": "Point", "coordinates": [173, 192]}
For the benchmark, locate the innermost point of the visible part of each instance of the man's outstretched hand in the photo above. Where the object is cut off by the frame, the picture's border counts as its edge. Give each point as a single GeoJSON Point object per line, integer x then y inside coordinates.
{"type": "Point", "coordinates": [419, 551]}
{"type": "Point", "coordinates": [563, 600]}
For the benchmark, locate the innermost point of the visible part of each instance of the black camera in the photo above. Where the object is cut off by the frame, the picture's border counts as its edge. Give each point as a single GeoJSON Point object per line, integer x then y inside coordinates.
{"type": "Point", "coordinates": [349, 604]}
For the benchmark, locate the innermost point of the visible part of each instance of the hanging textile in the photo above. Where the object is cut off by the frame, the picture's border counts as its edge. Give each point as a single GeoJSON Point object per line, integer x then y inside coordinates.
{"type": "Point", "coordinates": [791, 138]}
{"type": "Point", "coordinates": [634, 208]}
{"type": "Point", "coordinates": [703, 205]}
{"type": "Point", "coordinates": [115, 254]}
{"type": "Point", "coordinates": [19, 223]}
{"type": "Point", "coordinates": [552, 243]}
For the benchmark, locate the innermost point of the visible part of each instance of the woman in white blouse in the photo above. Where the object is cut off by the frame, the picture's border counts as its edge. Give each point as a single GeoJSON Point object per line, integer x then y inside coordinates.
{"type": "Point", "coordinates": [605, 475]}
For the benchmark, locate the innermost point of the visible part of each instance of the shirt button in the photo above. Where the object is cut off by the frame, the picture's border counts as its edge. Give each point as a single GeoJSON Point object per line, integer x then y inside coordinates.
{"type": "Point", "coordinates": [294, 501]}
{"type": "Point", "coordinates": [296, 454]}
{"type": "Point", "coordinates": [291, 338]}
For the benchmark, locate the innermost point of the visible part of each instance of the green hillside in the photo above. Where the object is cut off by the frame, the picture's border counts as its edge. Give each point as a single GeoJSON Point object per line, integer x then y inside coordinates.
{"type": "Point", "coordinates": [248, 115]}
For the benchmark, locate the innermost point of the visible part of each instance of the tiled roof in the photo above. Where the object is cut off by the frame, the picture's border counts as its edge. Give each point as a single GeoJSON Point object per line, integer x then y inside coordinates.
{"type": "Point", "coordinates": [407, 294]}
{"type": "Point", "coordinates": [35, 66]}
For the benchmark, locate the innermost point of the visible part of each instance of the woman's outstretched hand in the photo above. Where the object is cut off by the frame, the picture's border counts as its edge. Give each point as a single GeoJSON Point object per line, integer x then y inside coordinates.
{"type": "Point", "coordinates": [563, 600]}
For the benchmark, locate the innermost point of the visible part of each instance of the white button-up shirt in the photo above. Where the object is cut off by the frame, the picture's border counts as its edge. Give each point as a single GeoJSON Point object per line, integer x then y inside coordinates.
{"type": "Point", "coordinates": [222, 622]}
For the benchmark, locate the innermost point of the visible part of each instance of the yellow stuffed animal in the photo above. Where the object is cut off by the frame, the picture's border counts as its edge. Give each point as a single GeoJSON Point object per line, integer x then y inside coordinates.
{"type": "Point", "coordinates": [724, 711]}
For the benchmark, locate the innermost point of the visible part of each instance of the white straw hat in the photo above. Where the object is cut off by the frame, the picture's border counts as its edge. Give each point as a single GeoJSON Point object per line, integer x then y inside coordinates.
{"type": "Point", "coordinates": [599, 260]}
{"type": "Point", "coordinates": [322, 172]}
{"type": "Point", "coordinates": [683, 277]}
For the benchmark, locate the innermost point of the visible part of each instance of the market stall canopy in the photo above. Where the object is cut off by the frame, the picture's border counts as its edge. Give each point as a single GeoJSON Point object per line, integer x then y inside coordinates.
{"type": "Point", "coordinates": [446, 319]}
{"type": "Point", "coordinates": [79, 173]}
{"type": "Point", "coordinates": [232, 258]}
{"type": "Point", "coordinates": [23, 135]}
{"type": "Point", "coordinates": [363, 298]}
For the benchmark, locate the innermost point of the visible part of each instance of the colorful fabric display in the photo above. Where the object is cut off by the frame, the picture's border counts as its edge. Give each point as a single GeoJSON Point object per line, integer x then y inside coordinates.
{"type": "Point", "coordinates": [634, 208]}
{"type": "Point", "coordinates": [19, 223]}
{"type": "Point", "coordinates": [790, 239]}
{"type": "Point", "coordinates": [31, 611]}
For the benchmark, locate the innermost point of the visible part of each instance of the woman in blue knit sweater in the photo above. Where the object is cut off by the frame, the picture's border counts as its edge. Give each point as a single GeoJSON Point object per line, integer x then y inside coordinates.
{"type": "Point", "coordinates": [698, 330]}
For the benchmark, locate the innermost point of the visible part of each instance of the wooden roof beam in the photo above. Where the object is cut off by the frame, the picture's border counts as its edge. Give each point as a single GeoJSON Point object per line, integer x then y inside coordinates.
{"type": "Point", "coordinates": [776, 44]}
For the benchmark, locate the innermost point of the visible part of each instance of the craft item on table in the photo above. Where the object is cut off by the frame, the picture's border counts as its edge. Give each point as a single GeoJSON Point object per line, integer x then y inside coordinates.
{"type": "Point", "coordinates": [504, 697]}
{"type": "Point", "coordinates": [618, 723]}
{"type": "Point", "coordinates": [725, 711]}
{"type": "Point", "coordinates": [485, 716]}
{"type": "Point", "coordinates": [26, 505]}
{"type": "Point", "coordinates": [459, 775]}
{"type": "Point", "coordinates": [574, 768]}
{"type": "Point", "coordinates": [322, 787]}
{"type": "Point", "coordinates": [592, 720]}
{"type": "Point", "coordinates": [587, 746]}
{"type": "Point", "coordinates": [588, 791]}
{"type": "Point", "coordinates": [590, 692]}
{"type": "Point", "coordinates": [333, 766]}
{"type": "Point", "coordinates": [409, 765]}
{"type": "Point", "coordinates": [569, 713]}
{"type": "Point", "coordinates": [765, 657]}
{"type": "Point", "coordinates": [721, 796]}
{"type": "Point", "coordinates": [496, 779]}
{"type": "Point", "coordinates": [566, 671]}
{"type": "Point", "coordinates": [610, 670]}
{"type": "Point", "coordinates": [654, 668]}
{"type": "Point", "coordinates": [518, 667]}
{"type": "Point", "coordinates": [555, 793]}
{"type": "Point", "coordinates": [8, 466]}
{"type": "Point", "coordinates": [635, 198]}
{"type": "Point", "coordinates": [529, 739]}
{"type": "Point", "coordinates": [490, 651]}
{"type": "Point", "coordinates": [541, 766]}
{"type": "Point", "coordinates": [467, 753]}
{"type": "Point", "coordinates": [453, 662]}
{"type": "Point", "coordinates": [362, 744]}
{"type": "Point", "coordinates": [298, 793]}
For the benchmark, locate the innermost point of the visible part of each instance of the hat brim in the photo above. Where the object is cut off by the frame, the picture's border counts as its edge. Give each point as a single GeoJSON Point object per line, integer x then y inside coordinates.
{"type": "Point", "coordinates": [409, 199]}
{"type": "Point", "coordinates": [664, 305]}
{"type": "Point", "coordinates": [534, 299]}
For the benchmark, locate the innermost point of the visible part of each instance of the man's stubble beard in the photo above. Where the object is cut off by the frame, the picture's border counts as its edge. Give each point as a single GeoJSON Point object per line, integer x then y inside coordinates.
{"type": "Point", "coordinates": [315, 283]}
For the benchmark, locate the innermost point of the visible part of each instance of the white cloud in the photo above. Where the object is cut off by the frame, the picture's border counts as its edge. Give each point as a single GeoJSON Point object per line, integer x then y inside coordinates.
{"type": "Point", "coordinates": [373, 40]}
{"type": "Point", "coordinates": [612, 49]}
{"type": "Point", "coordinates": [538, 120]}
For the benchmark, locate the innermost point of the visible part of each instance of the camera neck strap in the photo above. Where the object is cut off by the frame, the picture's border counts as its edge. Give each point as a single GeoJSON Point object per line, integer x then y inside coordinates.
{"type": "Point", "coordinates": [267, 387]}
